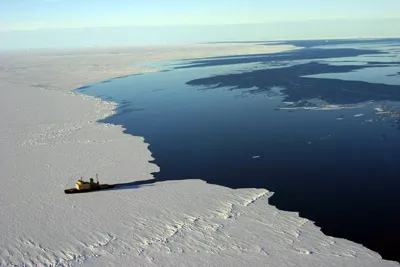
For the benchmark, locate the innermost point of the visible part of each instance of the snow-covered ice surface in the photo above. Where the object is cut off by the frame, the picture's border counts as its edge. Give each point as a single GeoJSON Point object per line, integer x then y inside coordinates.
{"type": "Point", "coordinates": [50, 137]}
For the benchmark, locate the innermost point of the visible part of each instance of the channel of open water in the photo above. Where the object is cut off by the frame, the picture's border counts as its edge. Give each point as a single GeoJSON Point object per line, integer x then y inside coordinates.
{"type": "Point", "coordinates": [319, 126]}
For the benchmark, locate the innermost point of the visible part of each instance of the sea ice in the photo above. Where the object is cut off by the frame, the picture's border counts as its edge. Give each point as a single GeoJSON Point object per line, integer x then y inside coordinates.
{"type": "Point", "coordinates": [49, 138]}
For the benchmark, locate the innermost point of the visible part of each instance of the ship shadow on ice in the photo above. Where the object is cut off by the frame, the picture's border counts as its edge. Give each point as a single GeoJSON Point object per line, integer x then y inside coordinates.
{"type": "Point", "coordinates": [133, 185]}
{"type": "Point", "coordinates": [139, 184]}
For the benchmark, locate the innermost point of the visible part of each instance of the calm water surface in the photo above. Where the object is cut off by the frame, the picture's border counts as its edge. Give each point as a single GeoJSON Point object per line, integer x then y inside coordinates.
{"type": "Point", "coordinates": [318, 126]}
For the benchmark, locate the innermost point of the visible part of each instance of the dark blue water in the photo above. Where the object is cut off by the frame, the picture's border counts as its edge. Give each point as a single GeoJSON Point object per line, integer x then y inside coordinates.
{"type": "Point", "coordinates": [262, 121]}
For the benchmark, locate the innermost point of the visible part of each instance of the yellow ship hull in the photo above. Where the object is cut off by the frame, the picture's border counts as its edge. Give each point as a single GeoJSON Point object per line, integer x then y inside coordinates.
{"type": "Point", "coordinates": [75, 191]}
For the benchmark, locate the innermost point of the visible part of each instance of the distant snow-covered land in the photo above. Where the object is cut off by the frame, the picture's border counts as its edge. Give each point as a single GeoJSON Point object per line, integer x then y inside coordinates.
{"type": "Point", "coordinates": [49, 137]}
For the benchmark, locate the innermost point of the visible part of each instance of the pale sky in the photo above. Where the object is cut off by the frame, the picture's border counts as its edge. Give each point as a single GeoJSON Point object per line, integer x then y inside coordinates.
{"type": "Point", "coordinates": [22, 17]}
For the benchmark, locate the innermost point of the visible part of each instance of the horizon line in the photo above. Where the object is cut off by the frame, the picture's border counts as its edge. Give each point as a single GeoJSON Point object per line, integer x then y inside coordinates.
{"type": "Point", "coordinates": [194, 25]}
